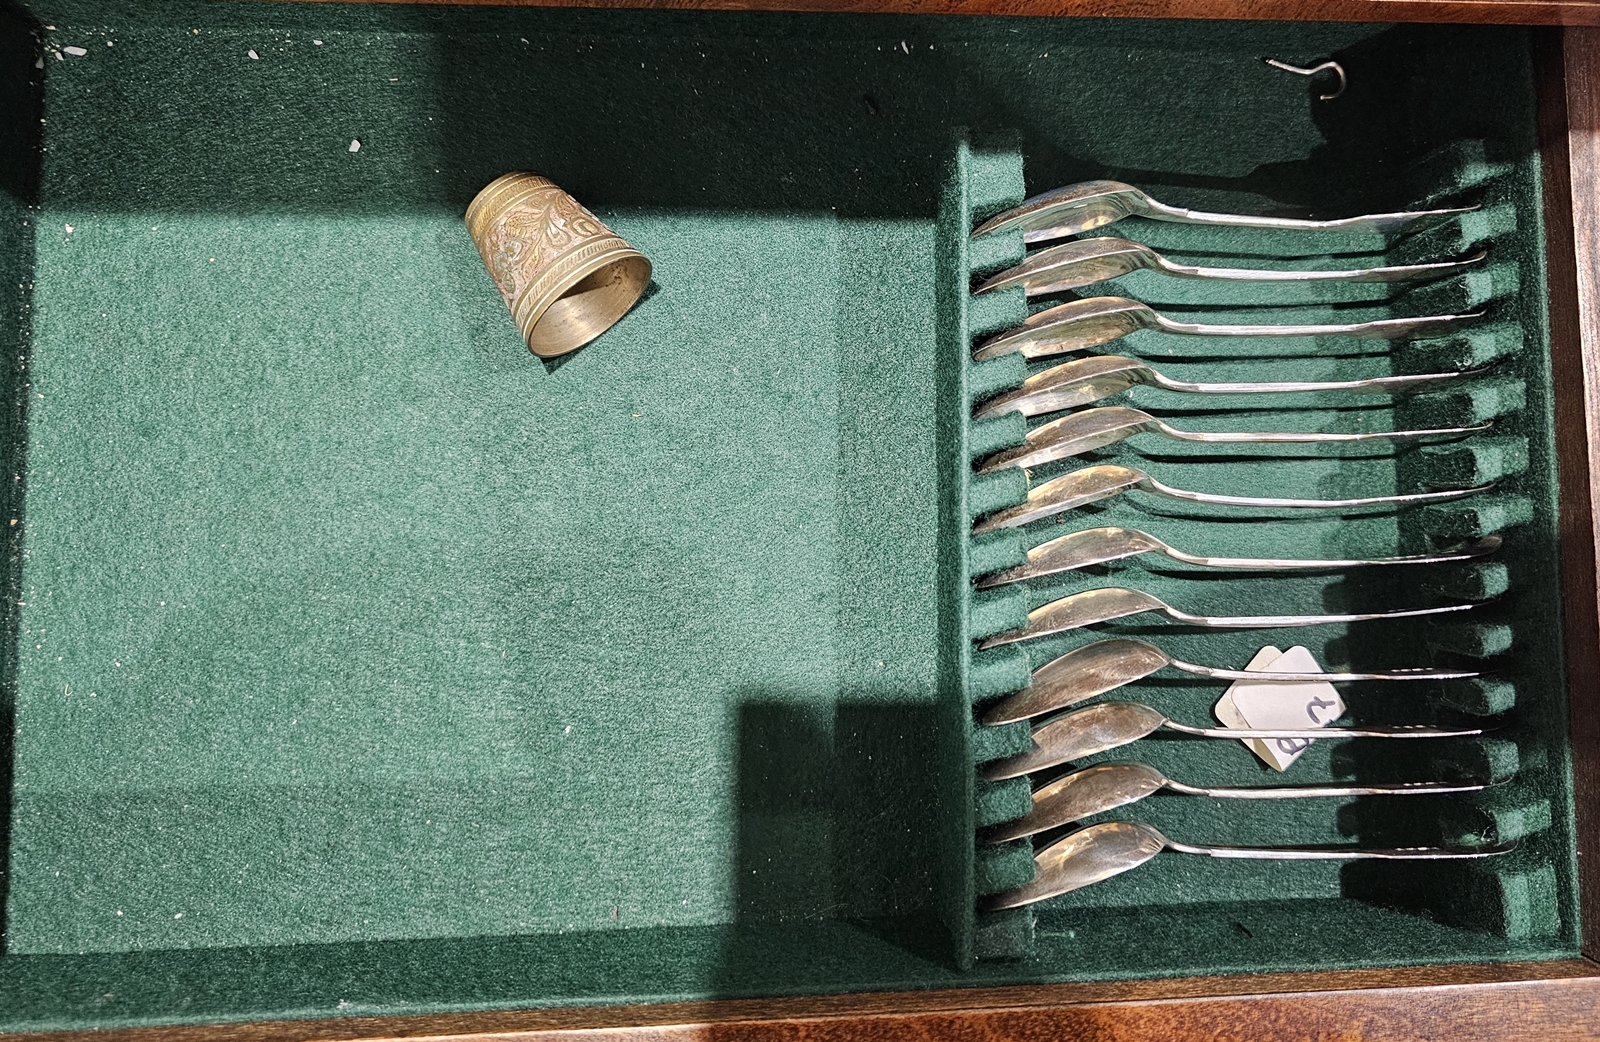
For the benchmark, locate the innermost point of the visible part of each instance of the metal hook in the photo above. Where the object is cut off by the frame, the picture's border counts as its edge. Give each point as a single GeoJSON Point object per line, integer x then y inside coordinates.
{"type": "Point", "coordinates": [1335, 66]}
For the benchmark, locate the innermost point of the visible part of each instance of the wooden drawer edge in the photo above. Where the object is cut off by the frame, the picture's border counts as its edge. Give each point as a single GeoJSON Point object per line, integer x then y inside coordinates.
{"type": "Point", "coordinates": [1545, 1001]}
{"type": "Point", "coordinates": [1498, 12]}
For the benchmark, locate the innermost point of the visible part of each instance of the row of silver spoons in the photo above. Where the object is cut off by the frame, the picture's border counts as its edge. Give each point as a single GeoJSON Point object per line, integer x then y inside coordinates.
{"type": "Point", "coordinates": [1110, 848]}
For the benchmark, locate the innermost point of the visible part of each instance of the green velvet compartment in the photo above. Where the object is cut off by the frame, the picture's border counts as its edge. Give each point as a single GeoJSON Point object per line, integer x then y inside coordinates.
{"type": "Point", "coordinates": [362, 663]}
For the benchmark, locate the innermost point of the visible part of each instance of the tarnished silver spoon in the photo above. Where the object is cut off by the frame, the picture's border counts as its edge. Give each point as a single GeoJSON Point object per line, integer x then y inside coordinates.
{"type": "Point", "coordinates": [1106, 665]}
{"type": "Point", "coordinates": [1092, 484]}
{"type": "Point", "coordinates": [1090, 429]}
{"type": "Point", "coordinates": [1103, 545]}
{"type": "Point", "coordinates": [1077, 208]}
{"type": "Point", "coordinates": [1105, 726]}
{"type": "Point", "coordinates": [1083, 263]}
{"type": "Point", "coordinates": [1113, 847]}
{"type": "Point", "coordinates": [1092, 321]}
{"type": "Point", "coordinates": [1107, 786]}
{"type": "Point", "coordinates": [1109, 603]}
{"type": "Point", "coordinates": [1084, 381]}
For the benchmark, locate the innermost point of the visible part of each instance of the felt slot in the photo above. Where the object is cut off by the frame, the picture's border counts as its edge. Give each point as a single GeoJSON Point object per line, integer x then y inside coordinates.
{"type": "Point", "coordinates": [1517, 893]}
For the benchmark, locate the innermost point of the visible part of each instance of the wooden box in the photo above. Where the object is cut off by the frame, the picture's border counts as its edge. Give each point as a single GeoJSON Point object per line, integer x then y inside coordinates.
{"type": "Point", "coordinates": [370, 677]}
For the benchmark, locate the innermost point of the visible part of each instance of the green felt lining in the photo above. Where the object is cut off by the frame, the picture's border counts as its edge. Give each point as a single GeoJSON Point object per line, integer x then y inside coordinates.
{"type": "Point", "coordinates": [648, 675]}
{"type": "Point", "coordinates": [1518, 896]}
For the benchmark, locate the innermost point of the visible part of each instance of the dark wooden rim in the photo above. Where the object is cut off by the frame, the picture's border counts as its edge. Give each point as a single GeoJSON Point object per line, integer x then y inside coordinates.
{"type": "Point", "coordinates": [1544, 1001]}
{"type": "Point", "coordinates": [1569, 130]}
{"type": "Point", "coordinates": [1541, 1002]}
{"type": "Point", "coordinates": [1500, 12]}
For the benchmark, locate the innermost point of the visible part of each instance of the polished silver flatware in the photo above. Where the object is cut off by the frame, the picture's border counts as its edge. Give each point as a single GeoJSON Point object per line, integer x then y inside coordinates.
{"type": "Point", "coordinates": [1105, 726]}
{"type": "Point", "coordinates": [1103, 545]}
{"type": "Point", "coordinates": [1084, 381]}
{"type": "Point", "coordinates": [1090, 429]}
{"type": "Point", "coordinates": [1107, 786]}
{"type": "Point", "coordinates": [1078, 208]}
{"type": "Point", "coordinates": [1106, 665]}
{"type": "Point", "coordinates": [1080, 324]}
{"type": "Point", "coordinates": [1113, 847]}
{"type": "Point", "coordinates": [1109, 603]}
{"type": "Point", "coordinates": [1093, 484]}
{"type": "Point", "coordinates": [1083, 263]}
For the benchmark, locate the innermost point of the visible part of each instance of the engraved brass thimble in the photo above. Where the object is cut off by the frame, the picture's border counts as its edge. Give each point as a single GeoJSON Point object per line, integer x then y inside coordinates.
{"type": "Point", "coordinates": [566, 277]}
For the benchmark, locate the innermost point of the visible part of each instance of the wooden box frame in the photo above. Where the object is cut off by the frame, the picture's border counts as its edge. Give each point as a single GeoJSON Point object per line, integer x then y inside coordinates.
{"type": "Point", "coordinates": [1547, 1001]}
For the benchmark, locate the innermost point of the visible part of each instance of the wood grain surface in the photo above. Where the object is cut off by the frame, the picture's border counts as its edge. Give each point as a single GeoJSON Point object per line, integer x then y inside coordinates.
{"type": "Point", "coordinates": [1510, 1002]}
{"type": "Point", "coordinates": [1504, 12]}
{"type": "Point", "coordinates": [1538, 1002]}
{"type": "Point", "coordinates": [1569, 104]}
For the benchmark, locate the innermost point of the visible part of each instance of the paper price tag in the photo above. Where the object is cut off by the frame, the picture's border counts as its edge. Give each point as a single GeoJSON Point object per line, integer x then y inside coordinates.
{"type": "Point", "coordinates": [1265, 704]}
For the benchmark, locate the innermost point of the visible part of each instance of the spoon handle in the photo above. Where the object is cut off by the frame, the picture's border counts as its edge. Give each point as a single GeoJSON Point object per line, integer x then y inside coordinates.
{"type": "Point", "coordinates": [1249, 622]}
{"type": "Point", "coordinates": [1312, 678]}
{"type": "Point", "coordinates": [1341, 853]}
{"type": "Point", "coordinates": [1152, 485]}
{"type": "Point", "coordinates": [1314, 437]}
{"type": "Point", "coordinates": [1372, 385]}
{"type": "Point", "coordinates": [1398, 273]}
{"type": "Point", "coordinates": [1380, 329]}
{"type": "Point", "coordinates": [1477, 548]}
{"type": "Point", "coordinates": [1300, 792]}
{"type": "Point", "coordinates": [1322, 732]}
{"type": "Point", "coordinates": [1378, 222]}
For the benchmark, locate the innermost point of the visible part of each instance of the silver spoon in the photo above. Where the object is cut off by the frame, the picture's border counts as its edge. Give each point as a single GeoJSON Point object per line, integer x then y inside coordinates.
{"type": "Point", "coordinates": [1082, 207]}
{"type": "Point", "coordinates": [1092, 484]}
{"type": "Point", "coordinates": [1087, 261]}
{"type": "Point", "coordinates": [1111, 725]}
{"type": "Point", "coordinates": [1112, 847]}
{"type": "Point", "coordinates": [1107, 786]}
{"type": "Point", "coordinates": [1084, 381]}
{"type": "Point", "coordinates": [1106, 665]}
{"type": "Point", "coordinates": [1090, 429]}
{"type": "Point", "coordinates": [1102, 545]}
{"type": "Point", "coordinates": [1109, 603]}
{"type": "Point", "coordinates": [1092, 321]}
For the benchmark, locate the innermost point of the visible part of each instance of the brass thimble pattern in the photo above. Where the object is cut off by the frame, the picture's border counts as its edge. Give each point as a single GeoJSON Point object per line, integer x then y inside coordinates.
{"type": "Point", "coordinates": [566, 277]}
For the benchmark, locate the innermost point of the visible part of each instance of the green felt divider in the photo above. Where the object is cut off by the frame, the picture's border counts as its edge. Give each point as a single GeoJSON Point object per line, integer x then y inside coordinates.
{"type": "Point", "coordinates": [1509, 633]}
{"type": "Point", "coordinates": [400, 557]}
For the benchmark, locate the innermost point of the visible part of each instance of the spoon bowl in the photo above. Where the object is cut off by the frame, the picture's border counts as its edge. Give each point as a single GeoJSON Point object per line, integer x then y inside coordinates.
{"type": "Point", "coordinates": [1082, 859]}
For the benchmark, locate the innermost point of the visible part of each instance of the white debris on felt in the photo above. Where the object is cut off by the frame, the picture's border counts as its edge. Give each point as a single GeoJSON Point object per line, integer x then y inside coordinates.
{"type": "Point", "coordinates": [905, 47]}
{"type": "Point", "coordinates": [317, 42]}
{"type": "Point", "coordinates": [69, 228]}
{"type": "Point", "coordinates": [38, 63]}
{"type": "Point", "coordinates": [253, 56]}
{"type": "Point", "coordinates": [355, 144]}
{"type": "Point", "coordinates": [76, 52]}
{"type": "Point", "coordinates": [109, 43]}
